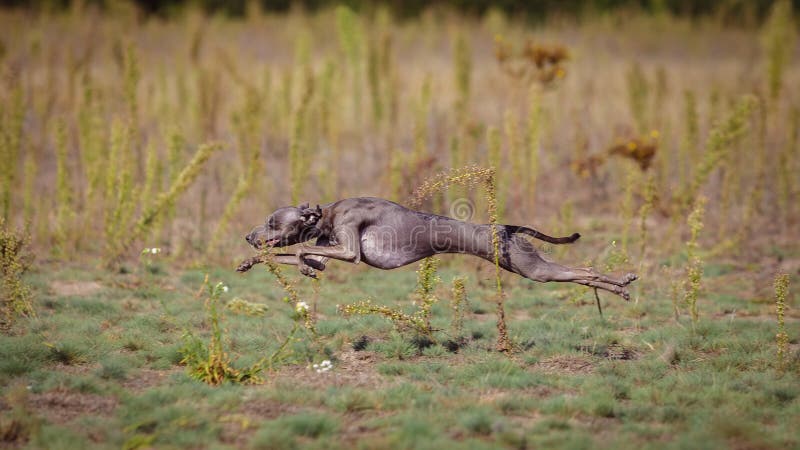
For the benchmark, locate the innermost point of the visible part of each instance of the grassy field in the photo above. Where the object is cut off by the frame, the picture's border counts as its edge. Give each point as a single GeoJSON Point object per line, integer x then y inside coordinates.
{"type": "Point", "coordinates": [99, 367]}
{"type": "Point", "coordinates": [670, 144]}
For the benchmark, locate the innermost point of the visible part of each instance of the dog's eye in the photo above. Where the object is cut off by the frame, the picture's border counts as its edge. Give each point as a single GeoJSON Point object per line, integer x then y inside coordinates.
{"type": "Point", "coordinates": [271, 223]}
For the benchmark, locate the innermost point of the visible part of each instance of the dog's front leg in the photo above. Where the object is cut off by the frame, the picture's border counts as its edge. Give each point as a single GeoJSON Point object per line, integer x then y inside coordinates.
{"type": "Point", "coordinates": [339, 252]}
{"type": "Point", "coordinates": [317, 263]}
{"type": "Point", "coordinates": [346, 248]}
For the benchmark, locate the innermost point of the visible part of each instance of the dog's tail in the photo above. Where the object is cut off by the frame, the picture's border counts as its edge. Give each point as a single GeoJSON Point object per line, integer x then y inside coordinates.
{"type": "Point", "coordinates": [553, 240]}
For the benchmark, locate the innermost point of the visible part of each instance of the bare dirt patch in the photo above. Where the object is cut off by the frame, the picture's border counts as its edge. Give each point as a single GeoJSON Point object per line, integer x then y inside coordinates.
{"type": "Point", "coordinates": [565, 364]}
{"type": "Point", "coordinates": [355, 431]}
{"type": "Point", "coordinates": [263, 408]}
{"type": "Point", "coordinates": [62, 406]}
{"type": "Point", "coordinates": [75, 369]}
{"type": "Point", "coordinates": [351, 368]}
{"type": "Point", "coordinates": [75, 288]}
{"type": "Point", "coordinates": [237, 428]}
{"type": "Point", "coordinates": [147, 378]}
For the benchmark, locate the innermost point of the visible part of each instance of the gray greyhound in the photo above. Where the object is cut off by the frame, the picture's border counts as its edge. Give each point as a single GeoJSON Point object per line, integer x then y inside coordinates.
{"type": "Point", "coordinates": [386, 235]}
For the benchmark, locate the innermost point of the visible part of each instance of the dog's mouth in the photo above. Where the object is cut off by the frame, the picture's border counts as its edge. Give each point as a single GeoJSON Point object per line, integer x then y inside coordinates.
{"type": "Point", "coordinates": [268, 243]}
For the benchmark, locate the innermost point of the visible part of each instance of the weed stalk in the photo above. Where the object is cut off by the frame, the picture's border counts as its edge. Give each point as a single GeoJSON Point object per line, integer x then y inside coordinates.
{"type": "Point", "coordinates": [782, 338]}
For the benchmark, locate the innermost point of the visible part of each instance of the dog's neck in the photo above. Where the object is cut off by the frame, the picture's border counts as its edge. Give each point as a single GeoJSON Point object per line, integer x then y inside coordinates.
{"type": "Point", "coordinates": [324, 225]}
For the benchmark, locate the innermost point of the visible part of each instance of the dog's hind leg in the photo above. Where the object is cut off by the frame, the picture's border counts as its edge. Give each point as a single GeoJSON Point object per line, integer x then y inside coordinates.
{"type": "Point", "coordinates": [545, 271]}
{"type": "Point", "coordinates": [589, 274]}
{"type": "Point", "coordinates": [621, 291]}
{"type": "Point", "coordinates": [522, 258]}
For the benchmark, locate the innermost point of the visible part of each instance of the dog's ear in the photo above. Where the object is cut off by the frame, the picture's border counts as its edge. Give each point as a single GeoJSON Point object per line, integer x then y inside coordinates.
{"type": "Point", "coordinates": [310, 216]}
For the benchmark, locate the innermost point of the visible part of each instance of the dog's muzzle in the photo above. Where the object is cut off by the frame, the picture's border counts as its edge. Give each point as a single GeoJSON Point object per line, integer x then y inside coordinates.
{"type": "Point", "coordinates": [258, 243]}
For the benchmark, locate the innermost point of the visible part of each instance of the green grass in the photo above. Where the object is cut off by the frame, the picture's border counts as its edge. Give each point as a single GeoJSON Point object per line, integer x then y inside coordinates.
{"type": "Point", "coordinates": [577, 381]}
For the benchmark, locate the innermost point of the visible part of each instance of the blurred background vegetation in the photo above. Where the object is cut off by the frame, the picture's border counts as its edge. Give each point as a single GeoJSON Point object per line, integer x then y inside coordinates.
{"type": "Point", "coordinates": [666, 133]}
{"type": "Point", "coordinates": [740, 12]}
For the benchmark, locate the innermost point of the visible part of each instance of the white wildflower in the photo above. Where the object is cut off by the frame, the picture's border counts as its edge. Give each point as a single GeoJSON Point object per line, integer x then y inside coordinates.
{"type": "Point", "coordinates": [323, 367]}
{"type": "Point", "coordinates": [301, 307]}
{"type": "Point", "coordinates": [224, 288]}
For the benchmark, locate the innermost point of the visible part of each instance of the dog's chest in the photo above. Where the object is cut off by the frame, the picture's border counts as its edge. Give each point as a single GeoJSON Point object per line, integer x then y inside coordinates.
{"type": "Point", "coordinates": [379, 249]}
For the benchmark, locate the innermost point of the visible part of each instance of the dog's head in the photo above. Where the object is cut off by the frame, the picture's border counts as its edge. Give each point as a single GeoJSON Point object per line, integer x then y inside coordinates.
{"type": "Point", "coordinates": [286, 226]}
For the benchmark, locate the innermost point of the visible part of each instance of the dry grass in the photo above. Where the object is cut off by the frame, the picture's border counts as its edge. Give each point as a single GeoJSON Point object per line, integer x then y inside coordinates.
{"type": "Point", "coordinates": [75, 69]}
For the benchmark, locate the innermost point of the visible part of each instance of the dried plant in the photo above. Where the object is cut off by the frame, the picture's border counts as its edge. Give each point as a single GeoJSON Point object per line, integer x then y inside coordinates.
{"type": "Point", "coordinates": [458, 303]}
{"type": "Point", "coordinates": [152, 175]}
{"type": "Point", "coordinates": [131, 78]}
{"type": "Point", "coordinates": [420, 320]}
{"type": "Point", "coordinates": [468, 176]}
{"type": "Point", "coordinates": [778, 38]}
{"type": "Point", "coordinates": [351, 38]}
{"type": "Point", "coordinates": [515, 155]}
{"type": "Point", "coordinates": [694, 271]}
{"type": "Point", "coordinates": [719, 145]}
{"type": "Point", "coordinates": [688, 149]}
{"type": "Point", "coordinates": [421, 122]}
{"type": "Point", "coordinates": [787, 162]}
{"type": "Point", "coordinates": [28, 203]}
{"type": "Point", "coordinates": [533, 136]}
{"type": "Point", "coordinates": [298, 151]}
{"type": "Point", "coordinates": [644, 212]}
{"type": "Point", "coordinates": [120, 195]}
{"type": "Point", "coordinates": [374, 79]}
{"type": "Point", "coordinates": [209, 362]}
{"type": "Point", "coordinates": [627, 212]}
{"type": "Point", "coordinates": [463, 73]}
{"type": "Point", "coordinates": [242, 306]}
{"type": "Point", "coordinates": [149, 215]}
{"type": "Point", "coordinates": [11, 135]}
{"type": "Point", "coordinates": [15, 259]}
{"type": "Point", "coordinates": [496, 162]}
{"type": "Point", "coordinates": [398, 318]}
{"type": "Point", "coordinates": [640, 150]}
{"type": "Point", "coordinates": [782, 338]}
{"type": "Point", "coordinates": [426, 284]}
{"type": "Point", "coordinates": [243, 187]}
{"type": "Point", "coordinates": [391, 88]}
{"type": "Point", "coordinates": [532, 62]}
{"type": "Point", "coordinates": [471, 176]}
{"type": "Point", "coordinates": [638, 95]}
{"type": "Point", "coordinates": [329, 127]}
{"type": "Point", "coordinates": [676, 286]}
{"type": "Point", "coordinates": [292, 296]}
{"type": "Point", "coordinates": [588, 166]}
{"type": "Point", "coordinates": [65, 211]}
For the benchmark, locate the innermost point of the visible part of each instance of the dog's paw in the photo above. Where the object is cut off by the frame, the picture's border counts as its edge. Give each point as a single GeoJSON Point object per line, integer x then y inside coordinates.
{"type": "Point", "coordinates": [629, 278]}
{"type": "Point", "coordinates": [308, 271]}
{"type": "Point", "coordinates": [244, 267]}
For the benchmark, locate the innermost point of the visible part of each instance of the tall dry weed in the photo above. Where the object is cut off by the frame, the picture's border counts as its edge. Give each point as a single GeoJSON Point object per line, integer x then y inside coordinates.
{"type": "Point", "coordinates": [778, 39]}
{"type": "Point", "coordinates": [15, 260]}
{"type": "Point", "coordinates": [472, 176]}
{"type": "Point", "coordinates": [12, 116]}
